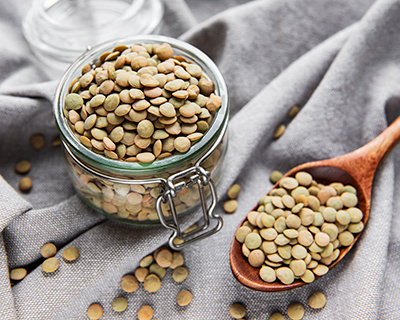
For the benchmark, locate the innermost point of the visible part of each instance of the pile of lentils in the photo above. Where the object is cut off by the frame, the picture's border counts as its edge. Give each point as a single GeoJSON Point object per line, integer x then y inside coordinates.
{"type": "Point", "coordinates": [141, 103]}
{"type": "Point", "coordinates": [299, 228]}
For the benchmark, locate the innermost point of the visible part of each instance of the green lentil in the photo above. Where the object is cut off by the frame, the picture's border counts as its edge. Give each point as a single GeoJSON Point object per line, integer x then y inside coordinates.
{"type": "Point", "coordinates": [317, 300]}
{"type": "Point", "coordinates": [295, 311]}
{"type": "Point", "coordinates": [145, 313]}
{"type": "Point", "coordinates": [48, 250]}
{"type": "Point", "coordinates": [253, 241]}
{"type": "Point", "coordinates": [25, 184]}
{"type": "Point", "coordinates": [141, 273]}
{"type": "Point", "coordinates": [184, 297]}
{"type": "Point", "coordinates": [275, 176]}
{"type": "Point", "coordinates": [279, 131]}
{"type": "Point", "coordinates": [22, 167]}
{"type": "Point", "coordinates": [256, 258]}
{"type": "Point", "coordinates": [293, 112]}
{"type": "Point", "coordinates": [230, 206]}
{"type": "Point", "coordinates": [50, 265]}
{"type": "Point", "coordinates": [70, 254]}
{"type": "Point", "coordinates": [95, 311]}
{"type": "Point", "coordinates": [285, 275]}
{"type": "Point", "coordinates": [18, 274]}
{"type": "Point", "coordinates": [129, 283]}
{"type": "Point", "coordinates": [157, 270]}
{"type": "Point", "coordinates": [237, 311]}
{"type": "Point", "coordinates": [180, 274]}
{"type": "Point", "coordinates": [267, 274]}
{"type": "Point", "coordinates": [234, 191]}
{"type": "Point", "coordinates": [120, 304]}
{"type": "Point", "coordinates": [152, 283]}
{"type": "Point", "coordinates": [241, 233]}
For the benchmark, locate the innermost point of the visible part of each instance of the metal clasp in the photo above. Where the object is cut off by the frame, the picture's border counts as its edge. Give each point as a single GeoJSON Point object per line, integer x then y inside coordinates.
{"type": "Point", "coordinates": [189, 178]}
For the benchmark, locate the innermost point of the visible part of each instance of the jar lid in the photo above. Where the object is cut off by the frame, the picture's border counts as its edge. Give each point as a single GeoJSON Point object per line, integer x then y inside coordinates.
{"type": "Point", "coordinates": [58, 31]}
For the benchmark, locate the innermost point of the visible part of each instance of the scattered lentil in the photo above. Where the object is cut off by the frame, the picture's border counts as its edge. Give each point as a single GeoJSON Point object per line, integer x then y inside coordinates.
{"type": "Point", "coordinates": [234, 191]}
{"type": "Point", "coordinates": [129, 283]}
{"type": "Point", "coordinates": [148, 260]}
{"type": "Point", "coordinates": [70, 254]}
{"type": "Point", "coordinates": [145, 313]}
{"type": "Point", "coordinates": [18, 274]}
{"type": "Point", "coordinates": [237, 311]}
{"type": "Point", "coordinates": [37, 141]}
{"type": "Point", "coordinates": [56, 141]}
{"type": "Point", "coordinates": [295, 311]}
{"type": "Point", "coordinates": [95, 311]}
{"type": "Point", "coordinates": [157, 270]}
{"type": "Point", "coordinates": [141, 273]}
{"type": "Point", "coordinates": [293, 112]}
{"type": "Point", "coordinates": [23, 167]}
{"type": "Point", "coordinates": [276, 316]}
{"type": "Point", "coordinates": [48, 250]}
{"type": "Point", "coordinates": [164, 258]}
{"type": "Point", "coordinates": [279, 131]}
{"type": "Point", "coordinates": [120, 304]}
{"type": "Point", "coordinates": [184, 297]}
{"type": "Point", "coordinates": [180, 274]}
{"type": "Point", "coordinates": [230, 206]}
{"type": "Point", "coordinates": [152, 283]}
{"type": "Point", "coordinates": [317, 300]}
{"type": "Point", "coordinates": [50, 265]}
{"type": "Point", "coordinates": [25, 184]}
{"type": "Point", "coordinates": [275, 176]}
{"type": "Point", "coordinates": [177, 260]}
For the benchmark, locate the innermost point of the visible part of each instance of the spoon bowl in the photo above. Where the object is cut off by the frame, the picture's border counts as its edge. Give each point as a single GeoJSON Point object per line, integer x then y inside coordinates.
{"type": "Point", "coordinates": [356, 168]}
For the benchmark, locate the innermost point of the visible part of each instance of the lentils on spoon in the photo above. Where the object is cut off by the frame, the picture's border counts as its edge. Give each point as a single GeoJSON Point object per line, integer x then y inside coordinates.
{"type": "Point", "coordinates": [299, 228]}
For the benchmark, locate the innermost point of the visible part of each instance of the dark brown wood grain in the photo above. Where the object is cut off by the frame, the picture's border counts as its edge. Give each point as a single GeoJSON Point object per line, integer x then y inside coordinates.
{"type": "Point", "coordinates": [356, 168]}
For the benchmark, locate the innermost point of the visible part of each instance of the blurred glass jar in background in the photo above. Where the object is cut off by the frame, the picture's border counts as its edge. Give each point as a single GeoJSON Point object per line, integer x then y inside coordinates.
{"type": "Point", "coordinates": [58, 31]}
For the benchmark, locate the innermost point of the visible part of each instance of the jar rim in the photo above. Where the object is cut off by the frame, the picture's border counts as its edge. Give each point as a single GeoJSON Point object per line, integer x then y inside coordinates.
{"type": "Point", "coordinates": [158, 166]}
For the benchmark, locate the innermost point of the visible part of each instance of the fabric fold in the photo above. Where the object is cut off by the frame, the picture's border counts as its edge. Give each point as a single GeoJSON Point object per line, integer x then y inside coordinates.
{"type": "Point", "coordinates": [11, 204]}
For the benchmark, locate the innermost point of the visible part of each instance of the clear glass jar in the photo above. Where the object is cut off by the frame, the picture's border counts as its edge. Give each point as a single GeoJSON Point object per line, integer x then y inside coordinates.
{"type": "Point", "coordinates": [160, 191]}
{"type": "Point", "coordinates": [58, 31]}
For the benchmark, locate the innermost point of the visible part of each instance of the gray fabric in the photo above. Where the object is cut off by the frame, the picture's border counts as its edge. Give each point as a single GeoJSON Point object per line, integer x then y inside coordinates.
{"type": "Point", "coordinates": [338, 60]}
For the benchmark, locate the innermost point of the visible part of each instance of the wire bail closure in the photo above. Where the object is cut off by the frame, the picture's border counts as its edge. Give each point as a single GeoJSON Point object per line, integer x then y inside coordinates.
{"type": "Point", "coordinates": [196, 175]}
{"type": "Point", "coordinates": [189, 178]}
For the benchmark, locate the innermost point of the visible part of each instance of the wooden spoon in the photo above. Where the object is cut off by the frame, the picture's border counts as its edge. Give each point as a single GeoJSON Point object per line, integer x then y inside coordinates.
{"type": "Point", "coordinates": [356, 168]}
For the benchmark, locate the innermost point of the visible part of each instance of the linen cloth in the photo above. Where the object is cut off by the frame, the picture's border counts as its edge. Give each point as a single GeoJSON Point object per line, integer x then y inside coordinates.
{"type": "Point", "coordinates": [338, 60]}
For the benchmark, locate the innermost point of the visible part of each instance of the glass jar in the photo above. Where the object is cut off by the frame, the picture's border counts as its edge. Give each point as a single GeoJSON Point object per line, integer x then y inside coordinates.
{"type": "Point", "coordinates": [157, 192]}
{"type": "Point", "coordinates": [58, 31]}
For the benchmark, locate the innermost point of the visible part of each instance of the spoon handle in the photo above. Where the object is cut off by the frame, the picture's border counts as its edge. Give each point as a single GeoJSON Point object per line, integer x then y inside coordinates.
{"type": "Point", "coordinates": [363, 162]}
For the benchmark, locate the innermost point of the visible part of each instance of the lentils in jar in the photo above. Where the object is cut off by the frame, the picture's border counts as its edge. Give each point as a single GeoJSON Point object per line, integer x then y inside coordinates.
{"type": "Point", "coordinates": [140, 103]}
